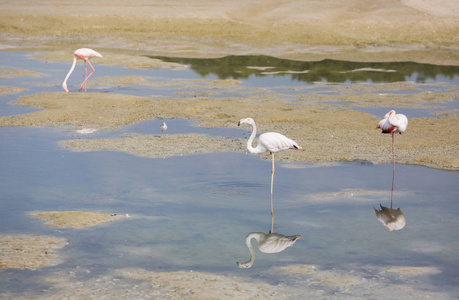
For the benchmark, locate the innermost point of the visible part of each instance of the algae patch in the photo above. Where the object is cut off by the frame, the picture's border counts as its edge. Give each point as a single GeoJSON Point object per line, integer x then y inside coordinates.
{"type": "Point", "coordinates": [75, 219]}
{"type": "Point", "coordinates": [91, 109]}
{"type": "Point", "coordinates": [11, 73]}
{"type": "Point", "coordinates": [157, 146]}
{"type": "Point", "coordinates": [27, 251]}
{"type": "Point", "coordinates": [324, 277]}
{"type": "Point", "coordinates": [10, 90]}
{"type": "Point", "coordinates": [327, 132]}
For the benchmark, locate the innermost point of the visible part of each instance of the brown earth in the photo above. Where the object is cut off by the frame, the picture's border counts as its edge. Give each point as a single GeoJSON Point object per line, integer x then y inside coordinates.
{"type": "Point", "coordinates": [380, 30]}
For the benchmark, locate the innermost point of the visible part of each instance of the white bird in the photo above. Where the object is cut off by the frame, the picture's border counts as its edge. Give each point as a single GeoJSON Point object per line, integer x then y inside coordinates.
{"type": "Point", "coordinates": [267, 243]}
{"type": "Point", "coordinates": [393, 123]}
{"type": "Point", "coordinates": [271, 141]}
{"type": "Point", "coordinates": [163, 126]}
{"type": "Point", "coordinates": [84, 54]}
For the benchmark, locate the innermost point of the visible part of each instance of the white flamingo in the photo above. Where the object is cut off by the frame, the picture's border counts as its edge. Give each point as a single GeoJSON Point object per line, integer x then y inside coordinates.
{"type": "Point", "coordinates": [267, 243]}
{"type": "Point", "coordinates": [393, 123]}
{"type": "Point", "coordinates": [84, 54]}
{"type": "Point", "coordinates": [271, 141]}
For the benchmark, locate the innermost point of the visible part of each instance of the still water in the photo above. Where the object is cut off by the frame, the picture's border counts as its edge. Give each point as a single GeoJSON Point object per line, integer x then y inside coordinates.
{"type": "Point", "coordinates": [194, 212]}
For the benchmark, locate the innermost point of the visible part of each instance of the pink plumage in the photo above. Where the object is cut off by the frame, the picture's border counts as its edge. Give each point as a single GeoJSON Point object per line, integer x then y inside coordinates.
{"type": "Point", "coordinates": [84, 54]}
{"type": "Point", "coordinates": [393, 122]}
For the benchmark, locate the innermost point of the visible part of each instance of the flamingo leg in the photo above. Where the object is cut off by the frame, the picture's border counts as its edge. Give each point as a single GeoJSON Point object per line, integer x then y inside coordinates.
{"type": "Point", "coordinates": [86, 77]}
{"type": "Point", "coordinates": [393, 171]}
{"type": "Point", "coordinates": [272, 181]}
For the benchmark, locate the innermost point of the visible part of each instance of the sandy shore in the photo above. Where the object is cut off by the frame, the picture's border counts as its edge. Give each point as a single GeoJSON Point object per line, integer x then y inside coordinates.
{"type": "Point", "coordinates": [424, 31]}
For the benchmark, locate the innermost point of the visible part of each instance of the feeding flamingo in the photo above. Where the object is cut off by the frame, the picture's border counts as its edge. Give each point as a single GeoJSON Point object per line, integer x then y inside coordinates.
{"type": "Point", "coordinates": [271, 141]}
{"type": "Point", "coordinates": [84, 54]}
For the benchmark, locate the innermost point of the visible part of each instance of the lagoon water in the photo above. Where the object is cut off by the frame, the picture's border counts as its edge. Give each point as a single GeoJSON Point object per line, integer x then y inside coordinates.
{"type": "Point", "coordinates": [194, 212]}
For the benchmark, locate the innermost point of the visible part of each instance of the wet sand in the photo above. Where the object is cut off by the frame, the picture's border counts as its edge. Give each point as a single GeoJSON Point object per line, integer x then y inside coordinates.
{"type": "Point", "coordinates": [75, 219]}
{"type": "Point", "coordinates": [27, 251]}
{"type": "Point", "coordinates": [346, 135]}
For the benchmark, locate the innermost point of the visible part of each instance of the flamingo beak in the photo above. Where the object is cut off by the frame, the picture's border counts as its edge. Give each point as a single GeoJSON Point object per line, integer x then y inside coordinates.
{"type": "Point", "coordinates": [239, 123]}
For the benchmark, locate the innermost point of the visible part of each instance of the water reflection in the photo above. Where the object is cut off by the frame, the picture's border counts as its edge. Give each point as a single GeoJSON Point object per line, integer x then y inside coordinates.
{"type": "Point", "coordinates": [267, 243]}
{"type": "Point", "coordinates": [242, 67]}
{"type": "Point", "coordinates": [271, 242]}
{"type": "Point", "coordinates": [392, 219]}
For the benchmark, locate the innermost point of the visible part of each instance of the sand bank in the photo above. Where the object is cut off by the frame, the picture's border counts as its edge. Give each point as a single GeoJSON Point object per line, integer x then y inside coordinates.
{"type": "Point", "coordinates": [29, 251]}
{"type": "Point", "coordinates": [328, 133]}
{"type": "Point", "coordinates": [299, 282]}
{"type": "Point", "coordinates": [75, 219]}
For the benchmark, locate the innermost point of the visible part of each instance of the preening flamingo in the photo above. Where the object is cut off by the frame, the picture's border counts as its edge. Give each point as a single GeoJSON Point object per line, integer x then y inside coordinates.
{"type": "Point", "coordinates": [271, 141]}
{"type": "Point", "coordinates": [267, 243]}
{"type": "Point", "coordinates": [393, 123]}
{"type": "Point", "coordinates": [84, 54]}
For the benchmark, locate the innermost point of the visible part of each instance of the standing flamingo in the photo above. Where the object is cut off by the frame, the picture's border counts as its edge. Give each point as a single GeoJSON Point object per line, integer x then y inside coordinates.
{"type": "Point", "coordinates": [85, 54]}
{"type": "Point", "coordinates": [271, 141]}
{"type": "Point", "coordinates": [393, 123]}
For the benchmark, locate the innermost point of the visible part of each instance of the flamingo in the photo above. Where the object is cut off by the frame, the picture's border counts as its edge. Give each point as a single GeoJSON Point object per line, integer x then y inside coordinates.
{"type": "Point", "coordinates": [393, 123]}
{"type": "Point", "coordinates": [267, 243]}
{"type": "Point", "coordinates": [271, 141]}
{"type": "Point", "coordinates": [84, 54]}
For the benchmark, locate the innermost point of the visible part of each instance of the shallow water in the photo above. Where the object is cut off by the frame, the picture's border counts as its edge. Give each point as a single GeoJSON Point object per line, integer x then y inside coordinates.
{"type": "Point", "coordinates": [194, 212]}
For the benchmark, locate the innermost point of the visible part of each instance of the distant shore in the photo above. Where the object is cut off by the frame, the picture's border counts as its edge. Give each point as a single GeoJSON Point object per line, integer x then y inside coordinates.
{"type": "Point", "coordinates": [421, 31]}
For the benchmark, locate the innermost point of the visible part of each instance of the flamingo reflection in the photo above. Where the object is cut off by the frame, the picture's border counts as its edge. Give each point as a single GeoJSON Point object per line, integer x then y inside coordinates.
{"type": "Point", "coordinates": [267, 243]}
{"type": "Point", "coordinates": [392, 219]}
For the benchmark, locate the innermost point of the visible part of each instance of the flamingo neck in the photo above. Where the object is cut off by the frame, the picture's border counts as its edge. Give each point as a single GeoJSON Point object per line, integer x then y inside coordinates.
{"type": "Point", "coordinates": [64, 84]}
{"type": "Point", "coordinates": [250, 141]}
{"type": "Point", "coordinates": [259, 236]}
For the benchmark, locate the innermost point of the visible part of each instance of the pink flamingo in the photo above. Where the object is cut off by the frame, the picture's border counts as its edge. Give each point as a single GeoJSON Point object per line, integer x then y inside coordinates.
{"type": "Point", "coordinates": [85, 54]}
{"type": "Point", "coordinates": [393, 123]}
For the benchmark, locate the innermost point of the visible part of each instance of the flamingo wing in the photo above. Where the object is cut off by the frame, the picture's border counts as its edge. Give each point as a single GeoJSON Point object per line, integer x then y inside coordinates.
{"type": "Point", "coordinates": [386, 126]}
{"type": "Point", "coordinates": [276, 142]}
{"type": "Point", "coordinates": [276, 242]}
{"type": "Point", "coordinates": [393, 122]}
{"type": "Point", "coordinates": [400, 121]}
{"type": "Point", "coordinates": [86, 53]}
